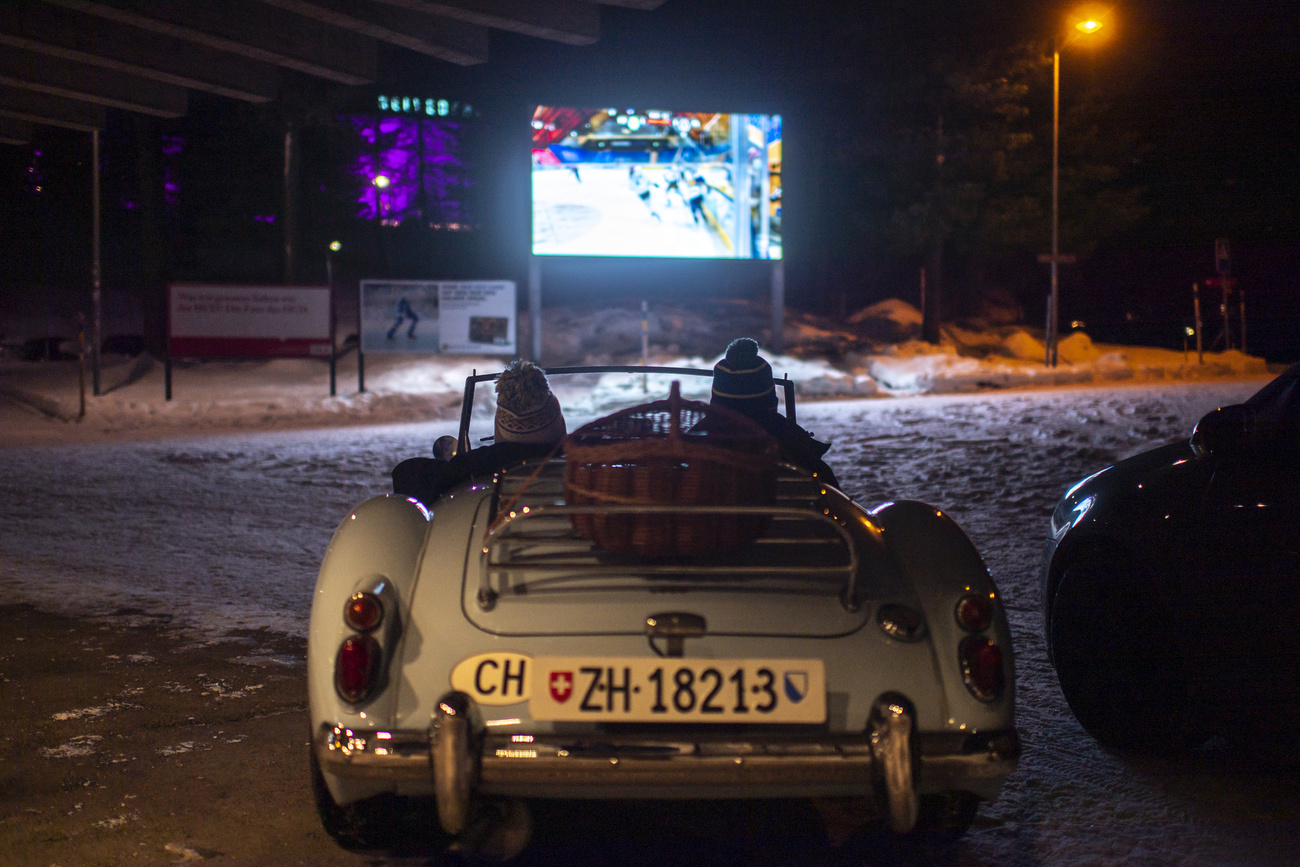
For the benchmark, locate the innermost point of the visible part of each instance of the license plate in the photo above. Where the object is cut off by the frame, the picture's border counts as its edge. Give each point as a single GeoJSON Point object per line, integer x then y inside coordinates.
{"type": "Point", "coordinates": [642, 689]}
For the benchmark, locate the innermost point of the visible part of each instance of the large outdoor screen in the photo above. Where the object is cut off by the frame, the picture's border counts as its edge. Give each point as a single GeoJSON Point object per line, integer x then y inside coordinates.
{"type": "Point", "coordinates": [632, 182]}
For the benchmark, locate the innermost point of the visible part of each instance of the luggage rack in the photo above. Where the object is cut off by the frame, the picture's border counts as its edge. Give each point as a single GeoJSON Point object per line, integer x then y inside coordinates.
{"type": "Point", "coordinates": [531, 546]}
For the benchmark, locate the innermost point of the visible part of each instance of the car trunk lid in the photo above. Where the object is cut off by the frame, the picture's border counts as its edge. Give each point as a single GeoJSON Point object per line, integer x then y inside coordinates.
{"type": "Point", "coordinates": [527, 573]}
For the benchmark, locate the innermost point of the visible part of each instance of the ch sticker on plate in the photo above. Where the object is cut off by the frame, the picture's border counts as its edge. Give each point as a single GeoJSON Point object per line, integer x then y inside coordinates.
{"type": "Point", "coordinates": [494, 678]}
{"type": "Point", "coordinates": [645, 689]}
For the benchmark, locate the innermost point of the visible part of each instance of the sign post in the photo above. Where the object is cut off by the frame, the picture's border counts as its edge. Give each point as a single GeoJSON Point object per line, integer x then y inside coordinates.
{"type": "Point", "coordinates": [1223, 265]}
{"type": "Point", "coordinates": [1054, 259]}
{"type": "Point", "coordinates": [1196, 305]}
{"type": "Point", "coordinates": [535, 304]}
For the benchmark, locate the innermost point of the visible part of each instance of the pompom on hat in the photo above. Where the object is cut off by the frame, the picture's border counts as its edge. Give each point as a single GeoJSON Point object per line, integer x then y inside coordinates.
{"type": "Point", "coordinates": [742, 380]}
{"type": "Point", "coordinates": [527, 411]}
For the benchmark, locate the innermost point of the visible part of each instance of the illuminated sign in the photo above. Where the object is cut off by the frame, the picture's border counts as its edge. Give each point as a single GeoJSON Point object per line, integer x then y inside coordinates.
{"type": "Point", "coordinates": [647, 182]}
{"type": "Point", "coordinates": [426, 106]}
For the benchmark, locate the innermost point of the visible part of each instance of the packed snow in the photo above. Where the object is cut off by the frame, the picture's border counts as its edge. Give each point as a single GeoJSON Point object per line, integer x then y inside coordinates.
{"type": "Point", "coordinates": [225, 531]}
{"type": "Point", "coordinates": [873, 353]}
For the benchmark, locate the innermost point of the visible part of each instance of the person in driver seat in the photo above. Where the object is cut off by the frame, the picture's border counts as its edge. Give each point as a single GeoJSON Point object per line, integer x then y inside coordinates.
{"type": "Point", "coordinates": [742, 381]}
{"type": "Point", "coordinates": [528, 424]}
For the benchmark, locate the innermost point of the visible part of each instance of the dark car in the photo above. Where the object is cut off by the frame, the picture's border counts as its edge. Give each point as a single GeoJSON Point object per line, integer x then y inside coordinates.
{"type": "Point", "coordinates": [1171, 585]}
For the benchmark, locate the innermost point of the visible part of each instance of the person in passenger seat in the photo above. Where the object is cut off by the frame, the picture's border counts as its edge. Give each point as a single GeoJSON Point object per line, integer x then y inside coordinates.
{"type": "Point", "coordinates": [742, 381]}
{"type": "Point", "coordinates": [528, 424]}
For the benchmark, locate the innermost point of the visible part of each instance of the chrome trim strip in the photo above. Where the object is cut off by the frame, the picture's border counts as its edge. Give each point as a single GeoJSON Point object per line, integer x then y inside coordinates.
{"type": "Point", "coordinates": [552, 765]}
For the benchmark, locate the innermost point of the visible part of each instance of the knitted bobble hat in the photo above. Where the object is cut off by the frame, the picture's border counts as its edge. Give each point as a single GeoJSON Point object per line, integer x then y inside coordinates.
{"type": "Point", "coordinates": [527, 411]}
{"type": "Point", "coordinates": [742, 380]}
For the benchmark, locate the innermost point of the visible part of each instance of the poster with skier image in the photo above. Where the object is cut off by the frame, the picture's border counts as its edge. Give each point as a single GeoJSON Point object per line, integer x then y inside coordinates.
{"type": "Point", "coordinates": [399, 316]}
{"type": "Point", "coordinates": [429, 316]}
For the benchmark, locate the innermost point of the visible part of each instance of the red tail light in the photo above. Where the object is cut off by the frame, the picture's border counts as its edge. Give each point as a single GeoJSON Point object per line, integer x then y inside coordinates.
{"type": "Point", "coordinates": [356, 667]}
{"type": "Point", "coordinates": [363, 612]}
{"type": "Point", "coordinates": [981, 667]}
{"type": "Point", "coordinates": [974, 613]}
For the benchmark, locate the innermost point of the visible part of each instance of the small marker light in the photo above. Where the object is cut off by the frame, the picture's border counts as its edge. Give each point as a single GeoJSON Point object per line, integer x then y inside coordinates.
{"type": "Point", "coordinates": [363, 611]}
{"type": "Point", "coordinates": [901, 622]}
{"type": "Point", "coordinates": [974, 613]}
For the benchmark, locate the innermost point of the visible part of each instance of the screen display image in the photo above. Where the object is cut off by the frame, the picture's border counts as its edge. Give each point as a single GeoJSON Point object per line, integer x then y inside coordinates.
{"type": "Point", "coordinates": [630, 182]}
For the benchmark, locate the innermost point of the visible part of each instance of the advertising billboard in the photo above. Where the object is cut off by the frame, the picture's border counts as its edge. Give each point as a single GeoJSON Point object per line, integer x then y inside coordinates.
{"type": "Point", "coordinates": [209, 321]}
{"type": "Point", "coordinates": [630, 182]}
{"type": "Point", "coordinates": [469, 316]}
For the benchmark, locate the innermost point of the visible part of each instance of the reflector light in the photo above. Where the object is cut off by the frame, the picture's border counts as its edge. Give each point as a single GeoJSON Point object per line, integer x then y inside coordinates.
{"type": "Point", "coordinates": [901, 623]}
{"type": "Point", "coordinates": [974, 613]}
{"type": "Point", "coordinates": [355, 667]}
{"type": "Point", "coordinates": [363, 612]}
{"type": "Point", "coordinates": [981, 667]}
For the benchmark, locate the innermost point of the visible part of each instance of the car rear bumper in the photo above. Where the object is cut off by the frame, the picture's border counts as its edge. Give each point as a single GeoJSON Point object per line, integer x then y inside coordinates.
{"type": "Point", "coordinates": [695, 766]}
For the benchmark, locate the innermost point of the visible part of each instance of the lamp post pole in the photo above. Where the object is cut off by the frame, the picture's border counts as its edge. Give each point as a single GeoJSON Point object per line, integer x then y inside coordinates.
{"type": "Point", "coordinates": [1053, 314]}
{"type": "Point", "coordinates": [334, 247]}
{"type": "Point", "coordinates": [1087, 26]}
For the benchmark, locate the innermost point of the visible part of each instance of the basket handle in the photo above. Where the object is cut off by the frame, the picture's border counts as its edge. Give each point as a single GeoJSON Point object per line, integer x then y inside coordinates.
{"type": "Point", "coordinates": [675, 408]}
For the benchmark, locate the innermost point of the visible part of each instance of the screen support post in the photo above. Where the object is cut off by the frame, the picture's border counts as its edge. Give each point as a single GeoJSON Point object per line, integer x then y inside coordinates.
{"type": "Point", "coordinates": [361, 343]}
{"type": "Point", "coordinates": [778, 305]}
{"type": "Point", "coordinates": [334, 354]}
{"type": "Point", "coordinates": [535, 305]}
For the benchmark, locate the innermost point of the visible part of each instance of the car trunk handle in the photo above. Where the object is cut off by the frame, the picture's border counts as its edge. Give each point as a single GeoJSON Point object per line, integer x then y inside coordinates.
{"type": "Point", "coordinates": [675, 627]}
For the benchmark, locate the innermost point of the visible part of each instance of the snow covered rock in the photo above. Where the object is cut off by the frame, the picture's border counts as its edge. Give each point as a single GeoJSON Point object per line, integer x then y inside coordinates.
{"type": "Point", "coordinates": [1077, 349]}
{"type": "Point", "coordinates": [890, 320]}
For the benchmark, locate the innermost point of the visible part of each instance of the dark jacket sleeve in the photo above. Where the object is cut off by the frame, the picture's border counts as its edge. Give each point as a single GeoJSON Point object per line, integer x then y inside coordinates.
{"type": "Point", "coordinates": [799, 448]}
{"type": "Point", "coordinates": [426, 479]}
{"type": "Point", "coordinates": [420, 478]}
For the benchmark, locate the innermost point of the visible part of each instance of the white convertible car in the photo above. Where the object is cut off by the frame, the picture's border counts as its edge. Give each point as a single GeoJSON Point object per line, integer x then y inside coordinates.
{"type": "Point", "coordinates": [483, 646]}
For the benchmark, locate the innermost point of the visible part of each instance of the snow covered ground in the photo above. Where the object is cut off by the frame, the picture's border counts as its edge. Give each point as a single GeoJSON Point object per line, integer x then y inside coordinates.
{"type": "Point", "coordinates": [875, 351]}
{"type": "Point", "coordinates": [226, 531]}
{"type": "Point", "coordinates": [214, 510]}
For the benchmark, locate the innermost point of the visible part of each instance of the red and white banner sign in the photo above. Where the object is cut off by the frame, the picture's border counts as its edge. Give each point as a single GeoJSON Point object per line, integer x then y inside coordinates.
{"type": "Point", "coordinates": [208, 321]}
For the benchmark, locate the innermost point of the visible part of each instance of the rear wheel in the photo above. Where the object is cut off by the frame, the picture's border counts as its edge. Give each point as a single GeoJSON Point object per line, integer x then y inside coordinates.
{"type": "Point", "coordinates": [496, 831]}
{"type": "Point", "coordinates": [948, 816]}
{"type": "Point", "coordinates": [1117, 659]}
{"type": "Point", "coordinates": [381, 822]}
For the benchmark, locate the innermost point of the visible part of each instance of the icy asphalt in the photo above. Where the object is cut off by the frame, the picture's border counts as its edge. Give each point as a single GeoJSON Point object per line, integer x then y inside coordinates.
{"type": "Point", "coordinates": [226, 532]}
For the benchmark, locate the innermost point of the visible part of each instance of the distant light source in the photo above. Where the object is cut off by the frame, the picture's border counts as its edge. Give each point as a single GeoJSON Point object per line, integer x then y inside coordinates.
{"type": "Point", "coordinates": [335, 246]}
{"type": "Point", "coordinates": [1189, 331]}
{"type": "Point", "coordinates": [381, 181]}
{"type": "Point", "coordinates": [1090, 26]}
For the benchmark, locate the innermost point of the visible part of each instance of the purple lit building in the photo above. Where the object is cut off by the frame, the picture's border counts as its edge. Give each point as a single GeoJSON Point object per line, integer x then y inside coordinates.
{"type": "Point", "coordinates": [413, 165]}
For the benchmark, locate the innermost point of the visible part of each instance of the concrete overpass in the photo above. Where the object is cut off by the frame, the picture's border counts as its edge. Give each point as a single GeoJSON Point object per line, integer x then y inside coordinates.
{"type": "Point", "coordinates": [65, 62]}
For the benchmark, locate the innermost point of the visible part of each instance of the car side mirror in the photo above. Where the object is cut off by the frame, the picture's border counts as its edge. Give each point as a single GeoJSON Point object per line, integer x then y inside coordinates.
{"type": "Point", "coordinates": [444, 448]}
{"type": "Point", "coordinates": [1223, 430]}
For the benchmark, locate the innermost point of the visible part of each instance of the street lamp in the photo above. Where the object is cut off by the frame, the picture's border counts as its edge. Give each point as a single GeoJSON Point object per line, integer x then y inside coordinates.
{"type": "Point", "coordinates": [334, 247]}
{"type": "Point", "coordinates": [1086, 23]}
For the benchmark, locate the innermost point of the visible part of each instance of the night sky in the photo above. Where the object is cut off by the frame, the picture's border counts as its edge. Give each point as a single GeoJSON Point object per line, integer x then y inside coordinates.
{"type": "Point", "coordinates": [1204, 91]}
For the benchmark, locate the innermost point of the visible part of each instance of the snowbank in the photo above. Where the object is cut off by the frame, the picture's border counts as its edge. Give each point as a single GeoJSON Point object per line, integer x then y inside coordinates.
{"type": "Point", "coordinates": [825, 360]}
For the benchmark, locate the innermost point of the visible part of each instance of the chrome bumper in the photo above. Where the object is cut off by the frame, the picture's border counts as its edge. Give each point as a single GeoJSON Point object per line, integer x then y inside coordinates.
{"type": "Point", "coordinates": [642, 766]}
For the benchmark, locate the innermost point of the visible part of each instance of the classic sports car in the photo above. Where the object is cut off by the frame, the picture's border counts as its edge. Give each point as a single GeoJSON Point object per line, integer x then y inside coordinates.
{"type": "Point", "coordinates": [480, 649]}
{"type": "Point", "coordinates": [1171, 585]}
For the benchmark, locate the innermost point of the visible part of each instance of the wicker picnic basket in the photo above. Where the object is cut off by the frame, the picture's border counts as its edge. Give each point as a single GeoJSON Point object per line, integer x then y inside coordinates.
{"type": "Point", "coordinates": [670, 452]}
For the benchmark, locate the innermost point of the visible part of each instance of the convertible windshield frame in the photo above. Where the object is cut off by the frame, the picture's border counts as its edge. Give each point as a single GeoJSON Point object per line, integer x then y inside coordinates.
{"type": "Point", "coordinates": [467, 405]}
